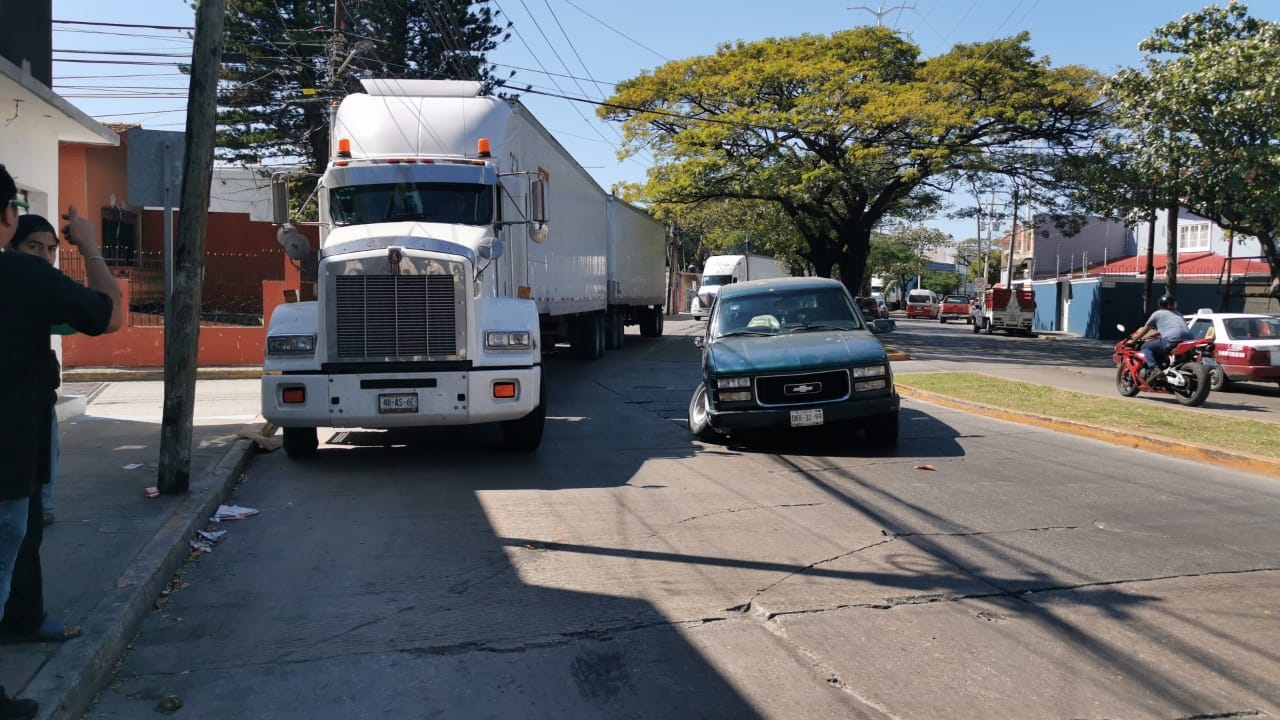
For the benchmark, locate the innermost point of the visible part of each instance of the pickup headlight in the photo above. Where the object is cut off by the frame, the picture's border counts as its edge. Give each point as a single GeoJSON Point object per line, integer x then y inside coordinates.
{"type": "Point", "coordinates": [508, 340]}
{"type": "Point", "coordinates": [291, 344]}
{"type": "Point", "coordinates": [869, 372]}
{"type": "Point", "coordinates": [733, 382]}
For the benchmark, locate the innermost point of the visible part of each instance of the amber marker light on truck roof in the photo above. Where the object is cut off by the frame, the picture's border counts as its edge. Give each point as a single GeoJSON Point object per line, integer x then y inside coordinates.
{"type": "Point", "coordinates": [482, 147]}
{"type": "Point", "coordinates": [344, 147]}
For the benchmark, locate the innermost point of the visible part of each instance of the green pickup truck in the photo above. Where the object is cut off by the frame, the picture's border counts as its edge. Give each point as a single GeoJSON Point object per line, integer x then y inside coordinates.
{"type": "Point", "coordinates": [792, 354]}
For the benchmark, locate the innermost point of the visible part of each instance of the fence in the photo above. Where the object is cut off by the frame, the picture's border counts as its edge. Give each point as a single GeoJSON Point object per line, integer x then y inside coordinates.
{"type": "Point", "coordinates": [231, 294]}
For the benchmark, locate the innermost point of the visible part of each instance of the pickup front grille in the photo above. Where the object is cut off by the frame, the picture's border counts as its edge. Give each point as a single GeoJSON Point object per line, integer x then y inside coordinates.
{"type": "Point", "coordinates": [395, 316]}
{"type": "Point", "coordinates": [803, 389]}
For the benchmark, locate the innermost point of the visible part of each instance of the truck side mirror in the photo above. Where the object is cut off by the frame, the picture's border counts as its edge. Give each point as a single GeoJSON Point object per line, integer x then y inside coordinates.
{"type": "Point", "coordinates": [280, 198]}
{"type": "Point", "coordinates": [538, 201]}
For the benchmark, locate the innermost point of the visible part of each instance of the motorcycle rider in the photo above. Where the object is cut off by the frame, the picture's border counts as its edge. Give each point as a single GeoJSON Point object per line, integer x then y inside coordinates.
{"type": "Point", "coordinates": [1168, 324]}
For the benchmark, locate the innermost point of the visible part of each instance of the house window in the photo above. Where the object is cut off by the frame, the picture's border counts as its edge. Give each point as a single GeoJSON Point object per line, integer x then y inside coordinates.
{"type": "Point", "coordinates": [1194, 236]}
{"type": "Point", "coordinates": [119, 236]}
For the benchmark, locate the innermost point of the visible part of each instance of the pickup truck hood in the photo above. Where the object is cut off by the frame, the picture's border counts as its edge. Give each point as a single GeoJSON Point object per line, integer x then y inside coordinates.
{"type": "Point", "coordinates": [812, 350]}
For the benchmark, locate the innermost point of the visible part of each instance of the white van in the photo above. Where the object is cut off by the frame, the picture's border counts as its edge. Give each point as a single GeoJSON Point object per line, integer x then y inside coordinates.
{"type": "Point", "coordinates": [922, 303]}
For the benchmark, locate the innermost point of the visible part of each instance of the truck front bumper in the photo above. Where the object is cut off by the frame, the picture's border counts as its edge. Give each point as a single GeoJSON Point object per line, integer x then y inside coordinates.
{"type": "Point", "coordinates": [849, 411]}
{"type": "Point", "coordinates": [385, 400]}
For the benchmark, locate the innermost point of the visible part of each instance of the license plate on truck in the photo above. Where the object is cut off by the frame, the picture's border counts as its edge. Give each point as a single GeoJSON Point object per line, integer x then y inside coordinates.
{"type": "Point", "coordinates": [806, 418]}
{"type": "Point", "coordinates": [398, 403]}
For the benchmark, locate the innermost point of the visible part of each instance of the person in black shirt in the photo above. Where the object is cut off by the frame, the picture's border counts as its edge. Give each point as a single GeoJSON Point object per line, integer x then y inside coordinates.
{"type": "Point", "coordinates": [35, 296]}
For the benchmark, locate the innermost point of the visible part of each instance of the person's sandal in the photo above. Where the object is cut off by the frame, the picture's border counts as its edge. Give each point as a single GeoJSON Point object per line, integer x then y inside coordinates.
{"type": "Point", "coordinates": [51, 630]}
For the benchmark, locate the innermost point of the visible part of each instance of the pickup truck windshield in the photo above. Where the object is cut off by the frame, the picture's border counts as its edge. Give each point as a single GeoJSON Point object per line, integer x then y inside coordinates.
{"type": "Point", "coordinates": [775, 313]}
{"type": "Point", "coordinates": [708, 280]}
{"type": "Point", "coordinates": [455, 203]}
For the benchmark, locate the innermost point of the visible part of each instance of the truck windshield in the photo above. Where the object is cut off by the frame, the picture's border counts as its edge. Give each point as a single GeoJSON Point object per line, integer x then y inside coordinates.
{"type": "Point", "coordinates": [455, 203]}
{"type": "Point", "coordinates": [716, 280]}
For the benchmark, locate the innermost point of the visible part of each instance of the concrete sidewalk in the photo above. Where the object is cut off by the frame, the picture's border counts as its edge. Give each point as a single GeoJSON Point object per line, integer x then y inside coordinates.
{"type": "Point", "coordinates": [112, 550]}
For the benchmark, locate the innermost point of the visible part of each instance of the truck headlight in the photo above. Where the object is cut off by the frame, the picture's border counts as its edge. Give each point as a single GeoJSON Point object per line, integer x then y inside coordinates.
{"type": "Point", "coordinates": [291, 344]}
{"type": "Point", "coordinates": [733, 382]}
{"type": "Point", "coordinates": [508, 340]}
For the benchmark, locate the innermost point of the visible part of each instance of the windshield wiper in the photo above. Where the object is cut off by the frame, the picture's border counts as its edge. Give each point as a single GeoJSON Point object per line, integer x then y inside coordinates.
{"type": "Point", "coordinates": [805, 327]}
{"type": "Point", "coordinates": [739, 333]}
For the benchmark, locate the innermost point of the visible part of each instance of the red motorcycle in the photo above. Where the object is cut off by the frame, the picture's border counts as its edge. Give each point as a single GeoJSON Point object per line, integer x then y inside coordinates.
{"type": "Point", "coordinates": [1183, 373]}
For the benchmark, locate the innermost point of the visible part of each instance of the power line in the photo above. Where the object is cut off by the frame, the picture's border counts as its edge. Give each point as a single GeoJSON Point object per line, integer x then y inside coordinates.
{"type": "Point", "coordinates": [123, 25]}
{"type": "Point", "coordinates": [637, 43]}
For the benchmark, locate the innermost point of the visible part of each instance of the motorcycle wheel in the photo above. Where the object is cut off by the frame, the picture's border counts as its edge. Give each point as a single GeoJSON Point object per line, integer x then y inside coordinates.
{"type": "Point", "coordinates": [1126, 383]}
{"type": "Point", "coordinates": [1193, 394]}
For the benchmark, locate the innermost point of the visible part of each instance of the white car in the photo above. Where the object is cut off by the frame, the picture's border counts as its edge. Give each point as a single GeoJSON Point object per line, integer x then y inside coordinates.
{"type": "Point", "coordinates": [1246, 346]}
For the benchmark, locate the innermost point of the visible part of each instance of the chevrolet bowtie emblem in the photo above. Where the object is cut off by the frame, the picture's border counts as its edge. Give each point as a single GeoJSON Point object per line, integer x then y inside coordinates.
{"type": "Point", "coordinates": [803, 389]}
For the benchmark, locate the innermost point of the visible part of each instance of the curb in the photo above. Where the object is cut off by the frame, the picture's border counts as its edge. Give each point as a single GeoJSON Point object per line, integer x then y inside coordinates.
{"type": "Point", "coordinates": [118, 375]}
{"type": "Point", "coordinates": [68, 683]}
{"type": "Point", "coordinates": [1189, 451]}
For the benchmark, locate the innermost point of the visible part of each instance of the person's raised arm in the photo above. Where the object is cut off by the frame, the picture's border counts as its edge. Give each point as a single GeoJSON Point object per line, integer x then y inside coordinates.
{"type": "Point", "coordinates": [79, 232]}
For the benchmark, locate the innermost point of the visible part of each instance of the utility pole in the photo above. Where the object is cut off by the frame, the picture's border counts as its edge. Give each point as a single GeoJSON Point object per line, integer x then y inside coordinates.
{"type": "Point", "coordinates": [1013, 236]}
{"type": "Point", "coordinates": [882, 11]}
{"type": "Point", "coordinates": [182, 325]}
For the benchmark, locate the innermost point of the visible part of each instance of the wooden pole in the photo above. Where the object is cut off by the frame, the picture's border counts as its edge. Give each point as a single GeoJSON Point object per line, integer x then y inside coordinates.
{"type": "Point", "coordinates": [182, 333]}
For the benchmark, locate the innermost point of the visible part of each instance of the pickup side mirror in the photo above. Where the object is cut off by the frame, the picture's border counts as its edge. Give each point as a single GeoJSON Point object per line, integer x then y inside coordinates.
{"type": "Point", "coordinates": [699, 341]}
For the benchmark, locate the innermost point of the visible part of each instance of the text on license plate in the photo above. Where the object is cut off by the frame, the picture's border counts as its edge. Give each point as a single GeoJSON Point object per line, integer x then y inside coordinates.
{"type": "Point", "coordinates": [805, 418]}
{"type": "Point", "coordinates": [398, 403]}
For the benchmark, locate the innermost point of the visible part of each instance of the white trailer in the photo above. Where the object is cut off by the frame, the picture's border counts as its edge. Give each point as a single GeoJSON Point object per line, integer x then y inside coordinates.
{"type": "Point", "coordinates": [728, 269]}
{"type": "Point", "coordinates": [458, 239]}
{"type": "Point", "coordinates": [637, 272]}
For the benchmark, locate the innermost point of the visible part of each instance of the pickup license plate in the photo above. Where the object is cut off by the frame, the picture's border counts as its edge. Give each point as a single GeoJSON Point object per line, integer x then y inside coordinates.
{"type": "Point", "coordinates": [806, 418]}
{"type": "Point", "coordinates": [398, 403]}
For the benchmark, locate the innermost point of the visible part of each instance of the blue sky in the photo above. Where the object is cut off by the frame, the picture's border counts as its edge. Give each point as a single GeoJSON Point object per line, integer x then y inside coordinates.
{"type": "Point", "coordinates": [579, 48]}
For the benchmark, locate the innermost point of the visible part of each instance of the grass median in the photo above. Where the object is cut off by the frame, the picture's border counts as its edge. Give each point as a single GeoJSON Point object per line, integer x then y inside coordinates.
{"type": "Point", "coordinates": [1131, 415]}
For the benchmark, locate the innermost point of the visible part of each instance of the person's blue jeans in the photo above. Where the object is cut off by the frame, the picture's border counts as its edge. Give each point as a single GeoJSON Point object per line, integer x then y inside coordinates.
{"type": "Point", "coordinates": [1159, 345]}
{"type": "Point", "coordinates": [13, 527]}
{"type": "Point", "coordinates": [46, 490]}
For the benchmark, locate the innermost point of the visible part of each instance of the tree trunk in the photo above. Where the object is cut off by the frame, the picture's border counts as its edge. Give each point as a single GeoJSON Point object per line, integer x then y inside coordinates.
{"type": "Point", "coordinates": [1149, 276]}
{"type": "Point", "coordinates": [1171, 248]}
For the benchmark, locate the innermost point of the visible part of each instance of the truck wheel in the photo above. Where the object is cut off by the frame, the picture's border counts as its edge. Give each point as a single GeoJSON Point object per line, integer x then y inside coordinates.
{"type": "Point", "coordinates": [988, 327]}
{"type": "Point", "coordinates": [942, 320]}
{"type": "Point", "coordinates": [525, 435]}
{"type": "Point", "coordinates": [699, 424]}
{"type": "Point", "coordinates": [976, 326]}
{"type": "Point", "coordinates": [613, 331]}
{"type": "Point", "coordinates": [651, 322]}
{"type": "Point", "coordinates": [883, 430]}
{"type": "Point", "coordinates": [588, 336]}
{"type": "Point", "coordinates": [300, 442]}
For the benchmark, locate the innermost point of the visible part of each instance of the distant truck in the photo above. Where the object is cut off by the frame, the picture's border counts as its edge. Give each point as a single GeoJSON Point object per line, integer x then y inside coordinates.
{"type": "Point", "coordinates": [721, 270]}
{"type": "Point", "coordinates": [458, 241]}
{"type": "Point", "coordinates": [1011, 310]}
{"type": "Point", "coordinates": [955, 307]}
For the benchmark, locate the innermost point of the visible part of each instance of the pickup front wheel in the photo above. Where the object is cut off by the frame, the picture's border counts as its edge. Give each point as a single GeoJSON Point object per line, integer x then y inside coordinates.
{"type": "Point", "coordinates": [699, 423]}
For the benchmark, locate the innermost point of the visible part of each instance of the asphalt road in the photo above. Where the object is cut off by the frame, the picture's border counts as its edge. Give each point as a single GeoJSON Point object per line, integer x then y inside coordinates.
{"type": "Point", "coordinates": [982, 569]}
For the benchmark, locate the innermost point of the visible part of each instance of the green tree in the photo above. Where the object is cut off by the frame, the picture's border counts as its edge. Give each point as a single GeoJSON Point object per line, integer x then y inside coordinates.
{"type": "Point", "coordinates": [941, 282]}
{"type": "Point", "coordinates": [843, 131]}
{"type": "Point", "coordinates": [970, 252]}
{"type": "Point", "coordinates": [281, 68]}
{"type": "Point", "coordinates": [900, 254]}
{"type": "Point", "coordinates": [1203, 116]}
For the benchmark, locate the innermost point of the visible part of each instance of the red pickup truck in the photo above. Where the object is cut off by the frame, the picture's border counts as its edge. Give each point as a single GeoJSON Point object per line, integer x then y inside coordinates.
{"type": "Point", "coordinates": [955, 307]}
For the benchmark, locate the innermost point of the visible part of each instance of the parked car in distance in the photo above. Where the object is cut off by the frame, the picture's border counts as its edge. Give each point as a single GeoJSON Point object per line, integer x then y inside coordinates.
{"type": "Point", "coordinates": [872, 307]}
{"type": "Point", "coordinates": [955, 307]}
{"type": "Point", "coordinates": [922, 304]}
{"type": "Point", "coordinates": [792, 353]}
{"type": "Point", "coordinates": [1246, 346]}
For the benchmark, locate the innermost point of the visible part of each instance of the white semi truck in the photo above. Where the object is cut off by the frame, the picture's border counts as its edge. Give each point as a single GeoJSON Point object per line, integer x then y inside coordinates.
{"type": "Point", "coordinates": [728, 269]}
{"type": "Point", "coordinates": [458, 240]}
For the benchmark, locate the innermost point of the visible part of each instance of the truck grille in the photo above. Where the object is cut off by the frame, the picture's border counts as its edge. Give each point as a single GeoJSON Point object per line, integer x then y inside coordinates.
{"type": "Point", "coordinates": [399, 316]}
{"type": "Point", "coordinates": [803, 389]}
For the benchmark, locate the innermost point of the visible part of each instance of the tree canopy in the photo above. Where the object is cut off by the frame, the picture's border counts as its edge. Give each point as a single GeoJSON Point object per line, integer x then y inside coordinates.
{"type": "Point", "coordinates": [843, 131]}
{"type": "Point", "coordinates": [281, 62]}
{"type": "Point", "coordinates": [1202, 117]}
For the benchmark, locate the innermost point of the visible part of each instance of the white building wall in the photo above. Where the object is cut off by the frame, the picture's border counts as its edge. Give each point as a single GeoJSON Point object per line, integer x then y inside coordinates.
{"type": "Point", "coordinates": [1218, 244]}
